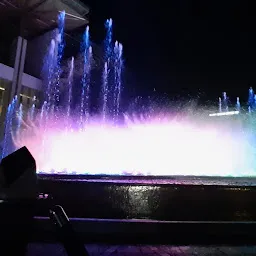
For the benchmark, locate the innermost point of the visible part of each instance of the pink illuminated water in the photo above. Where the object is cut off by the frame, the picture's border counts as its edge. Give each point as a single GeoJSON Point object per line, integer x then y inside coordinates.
{"type": "Point", "coordinates": [147, 147]}
{"type": "Point", "coordinates": [156, 145]}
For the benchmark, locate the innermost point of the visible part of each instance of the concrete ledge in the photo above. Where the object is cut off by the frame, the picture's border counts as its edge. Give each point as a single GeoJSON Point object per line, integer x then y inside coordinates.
{"type": "Point", "coordinates": [142, 198]}
{"type": "Point", "coordinates": [151, 232]}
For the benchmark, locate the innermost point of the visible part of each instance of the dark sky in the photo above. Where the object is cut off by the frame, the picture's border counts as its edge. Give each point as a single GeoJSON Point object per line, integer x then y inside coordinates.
{"type": "Point", "coordinates": [184, 46]}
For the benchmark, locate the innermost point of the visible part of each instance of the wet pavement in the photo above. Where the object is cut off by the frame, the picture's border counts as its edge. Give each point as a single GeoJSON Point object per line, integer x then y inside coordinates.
{"type": "Point", "coordinates": [104, 250]}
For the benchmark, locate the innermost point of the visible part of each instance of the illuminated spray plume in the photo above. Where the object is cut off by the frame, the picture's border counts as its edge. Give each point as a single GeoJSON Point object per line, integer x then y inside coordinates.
{"type": "Point", "coordinates": [220, 104]}
{"type": "Point", "coordinates": [225, 101]}
{"type": "Point", "coordinates": [60, 43]}
{"type": "Point", "coordinates": [238, 105]}
{"type": "Point", "coordinates": [87, 52]}
{"type": "Point", "coordinates": [152, 143]}
{"type": "Point", "coordinates": [70, 86]}
{"type": "Point", "coordinates": [118, 65]}
{"type": "Point", "coordinates": [10, 115]}
{"type": "Point", "coordinates": [147, 147]}
{"type": "Point", "coordinates": [105, 90]}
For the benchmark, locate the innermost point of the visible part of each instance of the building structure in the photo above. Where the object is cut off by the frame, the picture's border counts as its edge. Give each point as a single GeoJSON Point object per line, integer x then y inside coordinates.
{"type": "Point", "coordinates": [27, 28]}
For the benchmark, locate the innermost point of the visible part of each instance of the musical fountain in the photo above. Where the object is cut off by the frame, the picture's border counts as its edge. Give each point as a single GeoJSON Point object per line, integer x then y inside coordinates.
{"type": "Point", "coordinates": [63, 132]}
{"type": "Point", "coordinates": [119, 164]}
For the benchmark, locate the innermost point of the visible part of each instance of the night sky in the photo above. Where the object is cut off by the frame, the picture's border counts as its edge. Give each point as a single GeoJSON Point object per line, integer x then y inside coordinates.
{"type": "Point", "coordinates": [184, 47]}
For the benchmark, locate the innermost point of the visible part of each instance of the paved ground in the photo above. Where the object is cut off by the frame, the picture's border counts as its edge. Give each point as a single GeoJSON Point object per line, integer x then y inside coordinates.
{"type": "Point", "coordinates": [95, 250]}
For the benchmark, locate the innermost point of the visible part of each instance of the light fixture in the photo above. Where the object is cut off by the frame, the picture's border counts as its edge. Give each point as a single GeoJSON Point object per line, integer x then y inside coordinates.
{"type": "Point", "coordinates": [228, 113]}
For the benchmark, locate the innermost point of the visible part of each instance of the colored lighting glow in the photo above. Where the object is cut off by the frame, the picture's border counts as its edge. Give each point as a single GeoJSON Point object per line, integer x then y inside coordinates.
{"type": "Point", "coordinates": [229, 113]}
{"type": "Point", "coordinates": [154, 145]}
{"type": "Point", "coordinates": [151, 147]}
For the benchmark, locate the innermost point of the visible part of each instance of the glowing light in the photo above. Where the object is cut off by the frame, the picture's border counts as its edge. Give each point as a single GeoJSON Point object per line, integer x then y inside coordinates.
{"type": "Point", "coordinates": [229, 113]}
{"type": "Point", "coordinates": [150, 147]}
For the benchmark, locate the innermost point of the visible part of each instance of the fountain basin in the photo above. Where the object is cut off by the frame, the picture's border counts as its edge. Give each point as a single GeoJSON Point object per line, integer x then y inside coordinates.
{"type": "Point", "coordinates": [176, 198]}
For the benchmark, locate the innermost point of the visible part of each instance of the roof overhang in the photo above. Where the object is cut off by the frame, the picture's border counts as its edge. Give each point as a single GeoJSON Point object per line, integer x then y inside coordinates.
{"type": "Point", "coordinates": [37, 16]}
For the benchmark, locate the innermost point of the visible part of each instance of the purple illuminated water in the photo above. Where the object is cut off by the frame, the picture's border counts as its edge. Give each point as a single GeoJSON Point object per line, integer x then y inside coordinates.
{"type": "Point", "coordinates": [66, 140]}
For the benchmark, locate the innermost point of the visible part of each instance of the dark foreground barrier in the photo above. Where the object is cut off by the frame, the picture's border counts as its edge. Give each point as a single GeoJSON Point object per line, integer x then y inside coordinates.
{"type": "Point", "coordinates": [136, 210]}
{"type": "Point", "coordinates": [139, 210]}
{"type": "Point", "coordinates": [174, 199]}
{"type": "Point", "coordinates": [97, 231]}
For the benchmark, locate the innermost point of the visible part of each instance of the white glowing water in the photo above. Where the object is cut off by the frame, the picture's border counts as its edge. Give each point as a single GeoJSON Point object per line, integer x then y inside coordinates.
{"type": "Point", "coordinates": [151, 147]}
{"type": "Point", "coordinates": [155, 146]}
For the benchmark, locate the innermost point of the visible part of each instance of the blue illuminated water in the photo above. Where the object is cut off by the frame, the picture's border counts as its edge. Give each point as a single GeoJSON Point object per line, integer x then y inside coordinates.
{"type": "Point", "coordinates": [238, 105]}
{"type": "Point", "coordinates": [87, 71]}
{"type": "Point", "coordinates": [59, 97]}
{"type": "Point", "coordinates": [70, 86]}
{"type": "Point", "coordinates": [111, 89]}
{"type": "Point", "coordinates": [220, 104]}
{"type": "Point", "coordinates": [111, 75]}
{"type": "Point", "coordinates": [32, 112]}
{"type": "Point", "coordinates": [43, 114]}
{"type": "Point", "coordinates": [48, 73]}
{"type": "Point", "coordinates": [108, 39]}
{"type": "Point", "coordinates": [7, 141]}
{"type": "Point", "coordinates": [225, 101]}
{"type": "Point", "coordinates": [108, 51]}
{"type": "Point", "coordinates": [20, 116]}
{"type": "Point", "coordinates": [104, 91]}
{"type": "Point", "coordinates": [85, 99]}
{"type": "Point", "coordinates": [60, 43]}
{"type": "Point", "coordinates": [251, 98]}
{"type": "Point", "coordinates": [118, 65]}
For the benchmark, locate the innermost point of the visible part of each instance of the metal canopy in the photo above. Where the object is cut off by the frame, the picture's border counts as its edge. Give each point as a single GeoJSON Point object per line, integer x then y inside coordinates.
{"type": "Point", "coordinates": [33, 17]}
